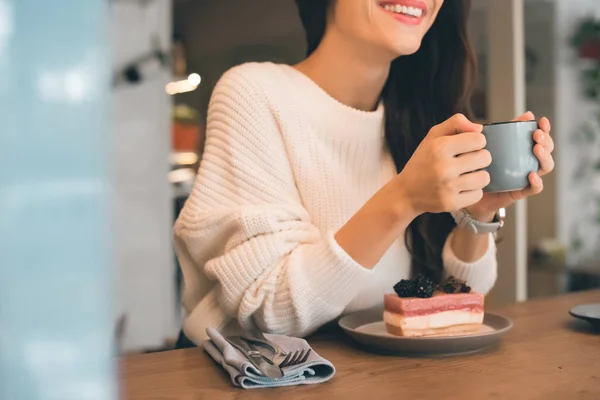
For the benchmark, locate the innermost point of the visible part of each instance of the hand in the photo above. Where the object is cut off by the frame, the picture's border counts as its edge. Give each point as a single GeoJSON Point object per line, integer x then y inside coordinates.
{"type": "Point", "coordinates": [439, 176]}
{"type": "Point", "coordinates": [485, 209]}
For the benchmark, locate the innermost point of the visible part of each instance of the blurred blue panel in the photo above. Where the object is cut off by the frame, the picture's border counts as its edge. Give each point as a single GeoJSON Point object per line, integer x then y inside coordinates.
{"type": "Point", "coordinates": [55, 311]}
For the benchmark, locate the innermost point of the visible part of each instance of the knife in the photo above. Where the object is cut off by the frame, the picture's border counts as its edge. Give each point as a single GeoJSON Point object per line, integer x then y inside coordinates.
{"type": "Point", "coordinates": [256, 336]}
{"type": "Point", "coordinates": [254, 356]}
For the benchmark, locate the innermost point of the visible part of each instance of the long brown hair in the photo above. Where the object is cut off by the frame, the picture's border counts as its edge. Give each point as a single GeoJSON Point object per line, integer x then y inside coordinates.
{"type": "Point", "coordinates": [441, 75]}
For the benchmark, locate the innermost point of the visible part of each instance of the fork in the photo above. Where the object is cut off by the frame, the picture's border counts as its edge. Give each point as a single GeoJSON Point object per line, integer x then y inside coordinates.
{"type": "Point", "coordinates": [295, 358]}
{"type": "Point", "coordinates": [280, 357]}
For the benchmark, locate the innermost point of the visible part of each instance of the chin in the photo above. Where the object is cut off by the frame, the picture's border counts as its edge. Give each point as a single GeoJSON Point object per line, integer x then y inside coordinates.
{"type": "Point", "coordinates": [405, 48]}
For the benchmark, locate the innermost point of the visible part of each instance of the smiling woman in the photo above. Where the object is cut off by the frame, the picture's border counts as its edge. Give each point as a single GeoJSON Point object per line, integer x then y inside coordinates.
{"type": "Point", "coordinates": [324, 183]}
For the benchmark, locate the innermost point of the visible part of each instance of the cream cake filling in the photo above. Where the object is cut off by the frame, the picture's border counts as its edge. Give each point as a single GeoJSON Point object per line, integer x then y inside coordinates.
{"type": "Point", "coordinates": [433, 321]}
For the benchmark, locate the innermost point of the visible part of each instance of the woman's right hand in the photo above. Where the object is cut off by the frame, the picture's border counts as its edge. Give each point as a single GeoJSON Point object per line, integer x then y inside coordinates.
{"type": "Point", "coordinates": [443, 173]}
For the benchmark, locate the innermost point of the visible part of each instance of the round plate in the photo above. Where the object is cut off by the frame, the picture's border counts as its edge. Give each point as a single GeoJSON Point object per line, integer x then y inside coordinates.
{"type": "Point", "coordinates": [587, 312]}
{"type": "Point", "coordinates": [368, 329]}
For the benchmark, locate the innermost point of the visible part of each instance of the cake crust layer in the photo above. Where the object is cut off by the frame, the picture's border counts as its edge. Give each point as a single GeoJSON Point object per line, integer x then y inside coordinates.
{"type": "Point", "coordinates": [433, 321]}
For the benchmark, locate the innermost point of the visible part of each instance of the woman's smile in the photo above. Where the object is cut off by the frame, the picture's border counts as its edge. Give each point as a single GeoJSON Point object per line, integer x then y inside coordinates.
{"type": "Point", "coordinates": [411, 12]}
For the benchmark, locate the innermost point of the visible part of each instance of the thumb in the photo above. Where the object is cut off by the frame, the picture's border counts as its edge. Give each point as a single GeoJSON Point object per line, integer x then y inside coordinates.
{"type": "Point", "coordinates": [458, 123]}
{"type": "Point", "coordinates": [528, 116]}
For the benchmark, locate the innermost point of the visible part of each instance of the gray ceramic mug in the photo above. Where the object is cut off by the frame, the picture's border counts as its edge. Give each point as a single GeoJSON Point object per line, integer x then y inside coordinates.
{"type": "Point", "coordinates": [511, 145]}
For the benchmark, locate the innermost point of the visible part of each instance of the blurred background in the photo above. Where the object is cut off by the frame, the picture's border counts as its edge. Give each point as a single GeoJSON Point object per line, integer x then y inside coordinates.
{"type": "Point", "coordinates": [165, 58]}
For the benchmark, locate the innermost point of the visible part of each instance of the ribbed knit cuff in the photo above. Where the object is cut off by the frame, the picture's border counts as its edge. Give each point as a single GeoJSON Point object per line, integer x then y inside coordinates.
{"type": "Point", "coordinates": [207, 314]}
{"type": "Point", "coordinates": [480, 275]}
{"type": "Point", "coordinates": [330, 274]}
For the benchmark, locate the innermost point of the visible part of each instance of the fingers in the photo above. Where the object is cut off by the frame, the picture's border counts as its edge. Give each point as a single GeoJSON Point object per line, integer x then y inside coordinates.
{"type": "Point", "coordinates": [472, 161]}
{"type": "Point", "coordinates": [542, 136]}
{"type": "Point", "coordinates": [472, 181]}
{"type": "Point", "coordinates": [544, 147]}
{"type": "Point", "coordinates": [545, 158]}
{"type": "Point", "coordinates": [537, 185]}
{"type": "Point", "coordinates": [468, 198]}
{"type": "Point", "coordinates": [462, 143]}
{"type": "Point", "coordinates": [528, 116]}
{"type": "Point", "coordinates": [458, 123]}
{"type": "Point", "coordinates": [545, 125]}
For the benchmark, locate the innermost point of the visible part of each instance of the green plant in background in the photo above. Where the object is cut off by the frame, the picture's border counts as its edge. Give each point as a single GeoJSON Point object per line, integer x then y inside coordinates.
{"type": "Point", "coordinates": [591, 79]}
{"type": "Point", "coordinates": [589, 28]}
{"type": "Point", "coordinates": [586, 41]}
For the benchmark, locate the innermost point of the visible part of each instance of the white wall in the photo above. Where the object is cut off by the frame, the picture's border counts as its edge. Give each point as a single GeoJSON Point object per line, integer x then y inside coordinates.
{"type": "Point", "coordinates": [541, 94]}
{"type": "Point", "coordinates": [143, 195]}
{"type": "Point", "coordinates": [502, 89]}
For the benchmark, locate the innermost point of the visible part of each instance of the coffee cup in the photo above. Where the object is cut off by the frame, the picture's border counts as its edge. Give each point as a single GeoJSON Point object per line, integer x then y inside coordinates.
{"type": "Point", "coordinates": [511, 146]}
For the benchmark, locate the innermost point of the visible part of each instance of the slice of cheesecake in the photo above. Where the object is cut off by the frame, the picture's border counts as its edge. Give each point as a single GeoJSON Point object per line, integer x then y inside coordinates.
{"type": "Point", "coordinates": [441, 314]}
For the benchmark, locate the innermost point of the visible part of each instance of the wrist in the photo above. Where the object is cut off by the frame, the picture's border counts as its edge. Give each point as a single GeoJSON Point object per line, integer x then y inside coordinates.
{"type": "Point", "coordinates": [467, 222]}
{"type": "Point", "coordinates": [403, 209]}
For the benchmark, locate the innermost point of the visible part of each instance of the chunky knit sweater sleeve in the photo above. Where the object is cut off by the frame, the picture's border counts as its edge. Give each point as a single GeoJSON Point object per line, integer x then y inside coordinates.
{"type": "Point", "coordinates": [247, 247]}
{"type": "Point", "coordinates": [245, 227]}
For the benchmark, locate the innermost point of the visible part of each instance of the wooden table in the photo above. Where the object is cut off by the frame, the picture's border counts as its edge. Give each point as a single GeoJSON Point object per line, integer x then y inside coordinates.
{"type": "Point", "coordinates": [547, 355]}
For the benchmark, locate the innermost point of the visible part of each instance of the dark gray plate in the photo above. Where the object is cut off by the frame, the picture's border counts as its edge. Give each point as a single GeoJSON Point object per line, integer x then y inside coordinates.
{"type": "Point", "coordinates": [368, 329]}
{"type": "Point", "coordinates": [587, 312]}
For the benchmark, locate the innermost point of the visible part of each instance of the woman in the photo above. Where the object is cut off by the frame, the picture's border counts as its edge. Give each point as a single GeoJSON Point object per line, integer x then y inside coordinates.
{"type": "Point", "coordinates": [313, 175]}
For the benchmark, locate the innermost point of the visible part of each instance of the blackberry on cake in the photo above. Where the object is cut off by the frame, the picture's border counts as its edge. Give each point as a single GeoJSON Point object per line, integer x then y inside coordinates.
{"type": "Point", "coordinates": [452, 285]}
{"type": "Point", "coordinates": [424, 286]}
{"type": "Point", "coordinates": [405, 288]}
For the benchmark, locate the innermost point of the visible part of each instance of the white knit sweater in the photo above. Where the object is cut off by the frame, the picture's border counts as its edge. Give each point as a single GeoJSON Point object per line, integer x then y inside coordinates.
{"type": "Point", "coordinates": [285, 166]}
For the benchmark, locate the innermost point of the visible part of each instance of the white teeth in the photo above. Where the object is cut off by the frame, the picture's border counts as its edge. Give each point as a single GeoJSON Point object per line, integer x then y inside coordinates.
{"type": "Point", "coordinates": [397, 8]}
{"type": "Point", "coordinates": [416, 12]}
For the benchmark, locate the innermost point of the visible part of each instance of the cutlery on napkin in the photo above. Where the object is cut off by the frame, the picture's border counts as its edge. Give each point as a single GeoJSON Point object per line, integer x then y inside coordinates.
{"type": "Point", "coordinates": [245, 374]}
{"type": "Point", "coordinates": [265, 366]}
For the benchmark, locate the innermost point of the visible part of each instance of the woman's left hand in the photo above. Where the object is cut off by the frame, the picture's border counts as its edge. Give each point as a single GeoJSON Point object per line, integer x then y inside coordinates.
{"type": "Point", "coordinates": [487, 207]}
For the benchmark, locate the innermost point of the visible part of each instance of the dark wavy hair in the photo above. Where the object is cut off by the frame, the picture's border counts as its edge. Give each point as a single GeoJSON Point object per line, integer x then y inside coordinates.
{"type": "Point", "coordinates": [442, 74]}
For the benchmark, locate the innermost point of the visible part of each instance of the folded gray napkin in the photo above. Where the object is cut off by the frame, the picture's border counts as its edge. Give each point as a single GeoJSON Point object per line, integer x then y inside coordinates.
{"type": "Point", "coordinates": [243, 374]}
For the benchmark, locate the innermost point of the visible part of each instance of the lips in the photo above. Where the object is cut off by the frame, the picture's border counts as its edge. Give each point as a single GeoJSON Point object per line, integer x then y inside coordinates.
{"type": "Point", "coordinates": [411, 11]}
